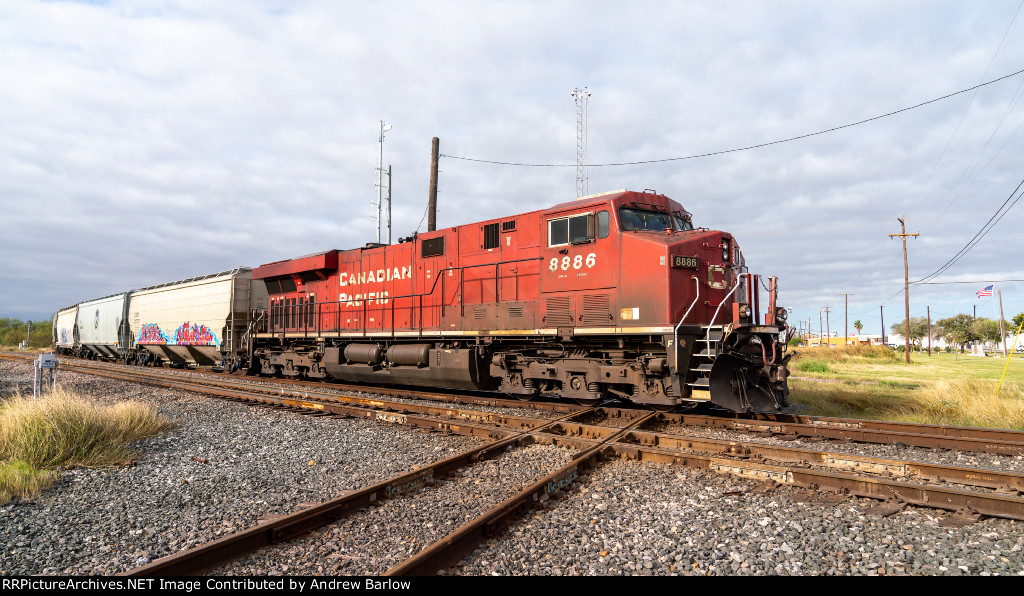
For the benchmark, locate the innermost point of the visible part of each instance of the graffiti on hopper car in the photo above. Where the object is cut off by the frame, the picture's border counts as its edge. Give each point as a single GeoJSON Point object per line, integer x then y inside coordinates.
{"type": "Point", "coordinates": [150, 333]}
{"type": "Point", "coordinates": [194, 335]}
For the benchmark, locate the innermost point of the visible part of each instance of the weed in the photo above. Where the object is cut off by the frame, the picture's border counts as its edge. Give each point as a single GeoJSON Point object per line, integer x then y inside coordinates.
{"type": "Point", "coordinates": [816, 366]}
{"type": "Point", "coordinates": [61, 429]}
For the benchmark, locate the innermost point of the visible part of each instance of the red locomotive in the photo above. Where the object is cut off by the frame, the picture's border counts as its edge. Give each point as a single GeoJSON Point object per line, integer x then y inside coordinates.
{"type": "Point", "coordinates": [611, 295]}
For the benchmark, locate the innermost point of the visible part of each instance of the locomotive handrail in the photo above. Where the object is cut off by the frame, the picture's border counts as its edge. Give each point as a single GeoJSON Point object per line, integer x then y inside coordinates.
{"type": "Point", "coordinates": [707, 338]}
{"type": "Point", "coordinates": [392, 299]}
{"type": "Point", "coordinates": [675, 331]}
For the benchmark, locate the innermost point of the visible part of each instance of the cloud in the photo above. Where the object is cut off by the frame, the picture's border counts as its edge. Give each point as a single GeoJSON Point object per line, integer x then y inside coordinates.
{"type": "Point", "coordinates": [151, 141]}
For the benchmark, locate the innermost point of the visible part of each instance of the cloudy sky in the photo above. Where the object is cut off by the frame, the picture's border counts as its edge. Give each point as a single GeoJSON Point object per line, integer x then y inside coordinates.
{"type": "Point", "coordinates": [148, 141]}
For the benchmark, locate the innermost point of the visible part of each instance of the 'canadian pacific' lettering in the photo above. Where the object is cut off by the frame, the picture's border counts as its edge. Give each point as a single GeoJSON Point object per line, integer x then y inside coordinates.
{"type": "Point", "coordinates": [351, 278]}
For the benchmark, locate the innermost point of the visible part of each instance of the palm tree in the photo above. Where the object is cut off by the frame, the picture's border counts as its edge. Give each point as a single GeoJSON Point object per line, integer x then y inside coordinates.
{"type": "Point", "coordinates": [858, 326]}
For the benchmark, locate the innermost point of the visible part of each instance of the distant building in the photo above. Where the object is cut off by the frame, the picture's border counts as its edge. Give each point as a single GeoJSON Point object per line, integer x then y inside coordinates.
{"type": "Point", "coordinates": [839, 342]}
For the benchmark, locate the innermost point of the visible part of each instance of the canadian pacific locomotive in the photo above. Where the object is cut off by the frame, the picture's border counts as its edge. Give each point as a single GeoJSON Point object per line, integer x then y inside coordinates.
{"type": "Point", "coordinates": [613, 295]}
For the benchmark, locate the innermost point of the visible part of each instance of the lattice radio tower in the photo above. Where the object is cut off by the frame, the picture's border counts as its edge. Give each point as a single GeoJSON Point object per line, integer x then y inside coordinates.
{"type": "Point", "coordinates": [381, 188]}
{"type": "Point", "coordinates": [581, 96]}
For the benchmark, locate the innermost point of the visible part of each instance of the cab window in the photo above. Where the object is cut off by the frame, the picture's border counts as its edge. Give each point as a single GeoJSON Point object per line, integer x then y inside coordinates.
{"type": "Point", "coordinates": [683, 222]}
{"type": "Point", "coordinates": [643, 219]}
{"type": "Point", "coordinates": [575, 229]}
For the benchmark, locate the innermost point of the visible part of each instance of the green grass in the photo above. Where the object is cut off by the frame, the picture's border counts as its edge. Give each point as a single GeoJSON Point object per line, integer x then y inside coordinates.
{"type": "Point", "coordinates": [876, 383]}
{"type": "Point", "coordinates": [38, 437]}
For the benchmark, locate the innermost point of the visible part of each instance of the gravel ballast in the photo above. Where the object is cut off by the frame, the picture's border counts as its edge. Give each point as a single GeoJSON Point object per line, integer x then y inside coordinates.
{"type": "Point", "coordinates": [231, 465]}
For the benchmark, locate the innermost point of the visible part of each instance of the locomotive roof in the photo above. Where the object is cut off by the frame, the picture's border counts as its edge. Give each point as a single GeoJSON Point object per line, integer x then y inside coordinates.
{"type": "Point", "coordinates": [321, 260]}
{"type": "Point", "coordinates": [603, 197]}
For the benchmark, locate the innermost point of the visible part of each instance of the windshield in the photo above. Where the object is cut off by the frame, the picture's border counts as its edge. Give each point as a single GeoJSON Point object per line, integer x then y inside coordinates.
{"type": "Point", "coordinates": [643, 219]}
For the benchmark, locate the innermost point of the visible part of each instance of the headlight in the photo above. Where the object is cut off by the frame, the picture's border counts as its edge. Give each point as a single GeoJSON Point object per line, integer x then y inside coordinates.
{"type": "Point", "coordinates": [744, 311]}
{"type": "Point", "coordinates": [780, 314]}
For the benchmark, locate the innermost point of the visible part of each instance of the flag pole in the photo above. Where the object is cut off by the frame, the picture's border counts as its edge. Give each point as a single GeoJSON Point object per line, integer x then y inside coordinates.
{"type": "Point", "coordinates": [1002, 329]}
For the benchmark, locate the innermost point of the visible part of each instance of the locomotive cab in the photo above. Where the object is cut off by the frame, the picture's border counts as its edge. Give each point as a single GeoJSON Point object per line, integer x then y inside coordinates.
{"type": "Point", "coordinates": [678, 302]}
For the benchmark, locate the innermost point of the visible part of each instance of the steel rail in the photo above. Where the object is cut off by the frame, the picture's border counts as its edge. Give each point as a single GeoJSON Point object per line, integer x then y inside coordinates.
{"type": "Point", "coordinates": [926, 495]}
{"type": "Point", "coordinates": [368, 407]}
{"type": "Point", "coordinates": [983, 440]}
{"type": "Point", "coordinates": [589, 438]}
{"type": "Point", "coordinates": [987, 440]}
{"type": "Point", "coordinates": [87, 367]}
{"type": "Point", "coordinates": [979, 477]}
{"type": "Point", "coordinates": [453, 546]}
{"type": "Point", "coordinates": [850, 431]}
{"type": "Point", "coordinates": [423, 416]}
{"type": "Point", "coordinates": [218, 552]}
{"type": "Point", "coordinates": [911, 427]}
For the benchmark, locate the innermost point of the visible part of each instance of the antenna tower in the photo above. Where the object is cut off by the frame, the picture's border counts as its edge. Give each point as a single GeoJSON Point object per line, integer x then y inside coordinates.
{"type": "Point", "coordinates": [581, 96]}
{"type": "Point", "coordinates": [380, 181]}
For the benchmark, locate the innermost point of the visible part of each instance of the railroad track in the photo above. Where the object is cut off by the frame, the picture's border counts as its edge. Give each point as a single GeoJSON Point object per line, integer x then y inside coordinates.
{"type": "Point", "coordinates": [600, 433]}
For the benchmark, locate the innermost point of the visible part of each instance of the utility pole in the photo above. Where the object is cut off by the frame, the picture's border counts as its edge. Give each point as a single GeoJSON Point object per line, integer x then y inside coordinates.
{"type": "Point", "coordinates": [821, 329]}
{"type": "Point", "coordinates": [881, 310]}
{"type": "Point", "coordinates": [929, 331]}
{"type": "Point", "coordinates": [828, 332]}
{"type": "Point", "coordinates": [435, 149]}
{"type": "Point", "coordinates": [906, 279]}
{"type": "Point", "coordinates": [846, 318]}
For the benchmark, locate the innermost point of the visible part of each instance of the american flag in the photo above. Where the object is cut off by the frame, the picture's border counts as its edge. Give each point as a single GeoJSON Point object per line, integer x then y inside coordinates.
{"type": "Point", "coordinates": [986, 291]}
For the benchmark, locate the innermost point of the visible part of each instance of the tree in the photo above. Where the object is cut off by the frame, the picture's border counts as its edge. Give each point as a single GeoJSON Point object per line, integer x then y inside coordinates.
{"type": "Point", "coordinates": [1017, 320]}
{"type": "Point", "coordinates": [918, 329]}
{"type": "Point", "coordinates": [858, 326]}
{"type": "Point", "coordinates": [959, 330]}
{"type": "Point", "coordinates": [988, 330]}
{"type": "Point", "coordinates": [14, 331]}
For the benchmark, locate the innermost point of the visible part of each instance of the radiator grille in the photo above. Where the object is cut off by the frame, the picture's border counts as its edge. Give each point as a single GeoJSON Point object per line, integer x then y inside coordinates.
{"type": "Point", "coordinates": [595, 309]}
{"type": "Point", "coordinates": [559, 311]}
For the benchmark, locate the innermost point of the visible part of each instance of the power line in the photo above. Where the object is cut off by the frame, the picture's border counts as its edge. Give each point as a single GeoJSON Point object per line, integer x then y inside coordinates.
{"type": "Point", "coordinates": [967, 109]}
{"type": "Point", "coordinates": [747, 148]}
{"type": "Point", "coordinates": [57, 281]}
{"type": "Point", "coordinates": [985, 229]}
{"type": "Point", "coordinates": [987, 281]}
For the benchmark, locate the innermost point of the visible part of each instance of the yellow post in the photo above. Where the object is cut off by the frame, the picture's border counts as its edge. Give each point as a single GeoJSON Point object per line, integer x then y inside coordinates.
{"type": "Point", "coordinates": [1012, 349]}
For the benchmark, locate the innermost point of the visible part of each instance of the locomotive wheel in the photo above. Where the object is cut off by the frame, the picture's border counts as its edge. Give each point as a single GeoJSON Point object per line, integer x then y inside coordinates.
{"type": "Point", "coordinates": [664, 408]}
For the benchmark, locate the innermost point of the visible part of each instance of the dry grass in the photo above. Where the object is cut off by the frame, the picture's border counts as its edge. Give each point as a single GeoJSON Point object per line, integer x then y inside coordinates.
{"type": "Point", "coordinates": [971, 402]}
{"type": "Point", "coordinates": [874, 382]}
{"type": "Point", "coordinates": [17, 478]}
{"type": "Point", "coordinates": [868, 353]}
{"type": "Point", "coordinates": [62, 429]}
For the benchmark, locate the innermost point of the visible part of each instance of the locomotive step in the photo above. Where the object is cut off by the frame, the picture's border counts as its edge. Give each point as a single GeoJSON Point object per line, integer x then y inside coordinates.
{"type": "Point", "coordinates": [706, 367]}
{"type": "Point", "coordinates": [701, 382]}
{"type": "Point", "coordinates": [715, 336]}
